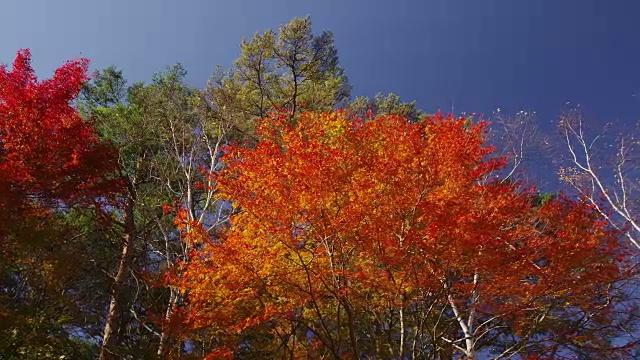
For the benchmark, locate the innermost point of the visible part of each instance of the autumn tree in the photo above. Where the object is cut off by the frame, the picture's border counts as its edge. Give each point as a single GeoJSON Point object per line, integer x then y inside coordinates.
{"type": "Point", "coordinates": [50, 156]}
{"type": "Point", "coordinates": [388, 239]}
{"type": "Point", "coordinates": [169, 136]}
{"type": "Point", "coordinates": [53, 164]}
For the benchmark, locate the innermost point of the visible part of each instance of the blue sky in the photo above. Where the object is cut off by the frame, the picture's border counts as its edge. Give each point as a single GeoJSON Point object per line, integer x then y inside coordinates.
{"type": "Point", "coordinates": [478, 55]}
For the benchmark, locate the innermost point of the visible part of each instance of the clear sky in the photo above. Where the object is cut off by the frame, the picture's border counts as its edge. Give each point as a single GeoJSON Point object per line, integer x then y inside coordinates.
{"type": "Point", "coordinates": [478, 55]}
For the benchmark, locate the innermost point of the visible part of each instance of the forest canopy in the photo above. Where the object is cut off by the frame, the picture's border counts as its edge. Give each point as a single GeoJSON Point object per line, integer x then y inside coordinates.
{"type": "Point", "coordinates": [272, 215]}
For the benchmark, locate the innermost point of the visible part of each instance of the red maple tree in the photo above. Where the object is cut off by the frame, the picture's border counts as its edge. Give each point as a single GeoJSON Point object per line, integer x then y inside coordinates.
{"type": "Point", "coordinates": [49, 156]}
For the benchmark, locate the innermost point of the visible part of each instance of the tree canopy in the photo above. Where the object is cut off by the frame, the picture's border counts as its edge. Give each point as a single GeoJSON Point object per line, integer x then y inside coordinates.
{"type": "Point", "coordinates": [391, 239]}
{"type": "Point", "coordinates": [270, 215]}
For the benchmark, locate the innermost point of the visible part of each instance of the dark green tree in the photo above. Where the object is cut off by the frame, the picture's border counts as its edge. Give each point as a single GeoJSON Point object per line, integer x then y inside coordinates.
{"type": "Point", "coordinates": [168, 148]}
{"type": "Point", "coordinates": [389, 104]}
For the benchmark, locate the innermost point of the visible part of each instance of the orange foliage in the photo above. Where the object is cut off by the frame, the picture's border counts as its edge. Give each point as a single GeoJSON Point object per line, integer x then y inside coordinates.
{"type": "Point", "coordinates": [343, 225]}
